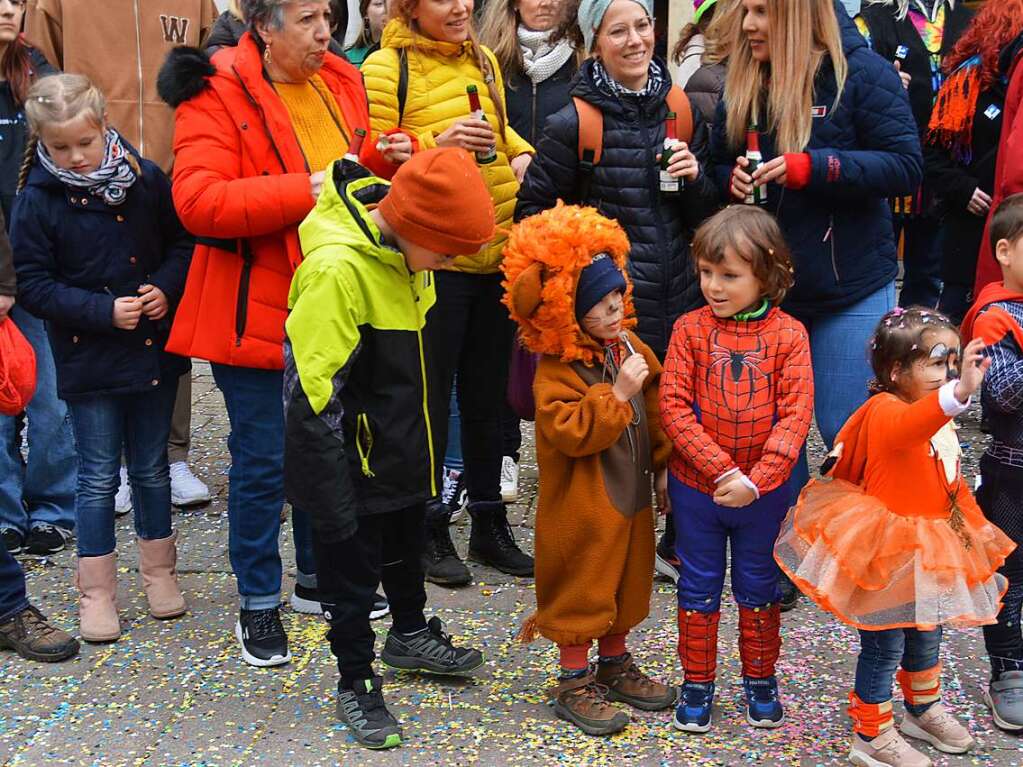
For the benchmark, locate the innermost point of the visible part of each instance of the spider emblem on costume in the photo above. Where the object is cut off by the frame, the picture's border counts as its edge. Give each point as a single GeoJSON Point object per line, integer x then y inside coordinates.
{"type": "Point", "coordinates": [736, 372]}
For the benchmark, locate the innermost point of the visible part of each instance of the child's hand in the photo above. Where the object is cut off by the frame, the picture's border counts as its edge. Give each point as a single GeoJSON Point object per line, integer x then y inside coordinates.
{"type": "Point", "coordinates": [734, 493]}
{"type": "Point", "coordinates": [127, 312]}
{"type": "Point", "coordinates": [661, 492]}
{"type": "Point", "coordinates": [631, 377]}
{"type": "Point", "coordinates": [974, 366]}
{"type": "Point", "coordinates": [154, 302]}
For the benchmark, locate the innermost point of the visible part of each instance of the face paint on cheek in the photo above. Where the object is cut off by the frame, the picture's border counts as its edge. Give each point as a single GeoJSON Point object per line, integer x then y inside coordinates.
{"type": "Point", "coordinates": [941, 351]}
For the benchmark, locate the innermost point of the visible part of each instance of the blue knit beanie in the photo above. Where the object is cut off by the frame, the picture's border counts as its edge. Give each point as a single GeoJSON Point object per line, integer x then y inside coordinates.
{"type": "Point", "coordinates": [598, 279]}
{"type": "Point", "coordinates": [591, 13]}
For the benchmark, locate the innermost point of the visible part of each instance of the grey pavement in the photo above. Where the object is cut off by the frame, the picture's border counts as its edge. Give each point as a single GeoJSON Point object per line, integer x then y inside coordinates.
{"type": "Point", "coordinates": [177, 693]}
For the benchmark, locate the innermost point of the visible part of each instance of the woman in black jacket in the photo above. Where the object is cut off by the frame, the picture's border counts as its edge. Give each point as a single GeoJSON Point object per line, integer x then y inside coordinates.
{"type": "Point", "coordinates": [538, 59]}
{"type": "Point", "coordinates": [962, 143]}
{"type": "Point", "coordinates": [630, 87]}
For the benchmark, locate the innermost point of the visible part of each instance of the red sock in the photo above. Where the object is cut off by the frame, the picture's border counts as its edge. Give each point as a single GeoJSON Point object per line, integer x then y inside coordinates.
{"type": "Point", "coordinates": [612, 645]}
{"type": "Point", "coordinates": [574, 656]}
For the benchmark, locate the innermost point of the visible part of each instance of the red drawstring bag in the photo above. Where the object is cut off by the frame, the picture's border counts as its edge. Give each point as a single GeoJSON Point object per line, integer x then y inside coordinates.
{"type": "Point", "coordinates": [521, 372]}
{"type": "Point", "coordinates": [17, 369]}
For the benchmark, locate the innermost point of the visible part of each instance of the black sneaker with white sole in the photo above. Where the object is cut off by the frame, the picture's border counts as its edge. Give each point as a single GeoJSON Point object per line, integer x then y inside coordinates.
{"type": "Point", "coordinates": [429, 650]}
{"type": "Point", "coordinates": [306, 600]}
{"type": "Point", "coordinates": [362, 708]}
{"type": "Point", "coordinates": [13, 540]}
{"type": "Point", "coordinates": [45, 539]}
{"type": "Point", "coordinates": [262, 637]}
{"type": "Point", "coordinates": [381, 607]}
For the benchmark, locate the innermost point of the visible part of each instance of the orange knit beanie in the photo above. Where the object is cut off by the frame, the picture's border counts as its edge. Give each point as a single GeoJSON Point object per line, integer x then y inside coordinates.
{"type": "Point", "coordinates": [438, 200]}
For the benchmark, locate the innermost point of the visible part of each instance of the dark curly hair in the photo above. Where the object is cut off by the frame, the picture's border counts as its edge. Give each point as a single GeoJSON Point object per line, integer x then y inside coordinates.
{"type": "Point", "coordinates": [899, 343]}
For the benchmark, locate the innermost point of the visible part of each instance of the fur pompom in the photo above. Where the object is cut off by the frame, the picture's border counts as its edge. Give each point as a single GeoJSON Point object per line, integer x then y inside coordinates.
{"type": "Point", "coordinates": [184, 75]}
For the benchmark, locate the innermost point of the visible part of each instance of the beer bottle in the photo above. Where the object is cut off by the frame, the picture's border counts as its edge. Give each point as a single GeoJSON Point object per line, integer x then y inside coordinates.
{"type": "Point", "coordinates": [355, 148]}
{"type": "Point", "coordinates": [754, 160]}
{"type": "Point", "coordinates": [487, 157]}
{"type": "Point", "coordinates": [669, 184]}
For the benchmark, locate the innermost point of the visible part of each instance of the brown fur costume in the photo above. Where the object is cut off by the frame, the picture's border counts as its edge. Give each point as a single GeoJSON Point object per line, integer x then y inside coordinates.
{"type": "Point", "coordinates": [597, 455]}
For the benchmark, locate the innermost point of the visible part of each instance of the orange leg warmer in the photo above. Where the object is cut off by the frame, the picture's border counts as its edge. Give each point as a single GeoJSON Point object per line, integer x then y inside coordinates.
{"type": "Point", "coordinates": [920, 687]}
{"type": "Point", "coordinates": [869, 719]}
{"type": "Point", "coordinates": [698, 644]}
{"type": "Point", "coordinates": [759, 640]}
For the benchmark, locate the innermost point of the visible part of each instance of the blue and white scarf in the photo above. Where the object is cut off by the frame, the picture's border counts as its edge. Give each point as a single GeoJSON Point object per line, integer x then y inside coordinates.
{"type": "Point", "coordinates": [609, 85]}
{"type": "Point", "coordinates": [110, 181]}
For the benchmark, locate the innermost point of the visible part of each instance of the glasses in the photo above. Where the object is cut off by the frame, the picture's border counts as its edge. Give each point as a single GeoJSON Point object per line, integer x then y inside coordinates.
{"type": "Point", "coordinates": [619, 34]}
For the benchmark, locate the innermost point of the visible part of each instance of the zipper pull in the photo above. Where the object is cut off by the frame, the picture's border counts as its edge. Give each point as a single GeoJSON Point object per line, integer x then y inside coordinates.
{"type": "Point", "coordinates": [827, 235]}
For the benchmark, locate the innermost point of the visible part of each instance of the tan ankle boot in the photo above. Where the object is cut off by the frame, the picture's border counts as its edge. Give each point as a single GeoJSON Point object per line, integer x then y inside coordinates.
{"type": "Point", "coordinates": [627, 684]}
{"type": "Point", "coordinates": [157, 562]}
{"type": "Point", "coordinates": [584, 703]}
{"type": "Point", "coordinates": [96, 580]}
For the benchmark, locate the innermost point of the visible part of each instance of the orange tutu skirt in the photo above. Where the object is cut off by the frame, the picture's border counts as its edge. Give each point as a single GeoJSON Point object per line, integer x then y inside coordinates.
{"type": "Point", "coordinates": [875, 569]}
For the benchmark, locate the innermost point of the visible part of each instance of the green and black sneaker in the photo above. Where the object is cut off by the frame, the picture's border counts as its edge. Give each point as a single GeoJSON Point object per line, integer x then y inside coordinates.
{"type": "Point", "coordinates": [429, 650]}
{"type": "Point", "coordinates": [363, 709]}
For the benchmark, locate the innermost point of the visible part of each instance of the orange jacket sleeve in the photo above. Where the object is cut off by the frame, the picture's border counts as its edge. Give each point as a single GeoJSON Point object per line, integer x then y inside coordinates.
{"type": "Point", "coordinates": [578, 420]}
{"type": "Point", "coordinates": [687, 435]}
{"type": "Point", "coordinates": [210, 194]}
{"type": "Point", "coordinates": [897, 425]}
{"type": "Point", "coordinates": [795, 410]}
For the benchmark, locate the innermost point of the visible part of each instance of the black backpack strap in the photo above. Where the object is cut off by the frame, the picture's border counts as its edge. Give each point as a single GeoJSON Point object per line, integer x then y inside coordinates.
{"type": "Point", "coordinates": [402, 83]}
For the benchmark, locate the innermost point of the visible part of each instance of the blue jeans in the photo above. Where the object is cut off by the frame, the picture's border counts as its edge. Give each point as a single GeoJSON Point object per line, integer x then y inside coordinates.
{"type": "Point", "coordinates": [453, 454]}
{"type": "Point", "coordinates": [12, 586]}
{"type": "Point", "coordinates": [46, 483]}
{"type": "Point", "coordinates": [711, 532]}
{"type": "Point", "coordinates": [255, 408]}
{"type": "Point", "coordinates": [138, 424]}
{"type": "Point", "coordinates": [881, 654]}
{"type": "Point", "coordinates": [840, 349]}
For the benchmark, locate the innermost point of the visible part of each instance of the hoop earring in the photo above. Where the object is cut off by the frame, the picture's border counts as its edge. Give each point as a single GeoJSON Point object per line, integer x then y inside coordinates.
{"type": "Point", "coordinates": [267, 56]}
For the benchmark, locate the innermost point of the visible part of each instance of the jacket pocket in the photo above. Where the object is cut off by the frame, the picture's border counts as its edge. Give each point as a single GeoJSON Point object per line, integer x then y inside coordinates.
{"type": "Point", "coordinates": [241, 310]}
{"type": "Point", "coordinates": [829, 237]}
{"type": "Point", "coordinates": [364, 443]}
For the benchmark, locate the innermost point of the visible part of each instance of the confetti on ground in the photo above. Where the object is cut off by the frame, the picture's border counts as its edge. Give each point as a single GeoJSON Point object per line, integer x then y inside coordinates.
{"type": "Point", "coordinates": [171, 694]}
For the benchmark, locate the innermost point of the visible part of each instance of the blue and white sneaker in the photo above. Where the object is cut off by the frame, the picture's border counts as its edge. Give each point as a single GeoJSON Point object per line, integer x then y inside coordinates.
{"type": "Point", "coordinates": [763, 709]}
{"type": "Point", "coordinates": [696, 701]}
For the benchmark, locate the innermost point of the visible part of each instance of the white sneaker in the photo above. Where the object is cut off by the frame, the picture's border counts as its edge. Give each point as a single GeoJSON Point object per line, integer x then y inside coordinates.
{"type": "Point", "coordinates": [509, 479]}
{"type": "Point", "coordinates": [122, 501]}
{"type": "Point", "coordinates": [186, 488]}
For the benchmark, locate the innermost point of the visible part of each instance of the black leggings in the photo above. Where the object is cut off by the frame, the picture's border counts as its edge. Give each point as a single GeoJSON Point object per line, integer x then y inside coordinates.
{"type": "Point", "coordinates": [386, 548]}
{"type": "Point", "coordinates": [1001, 498]}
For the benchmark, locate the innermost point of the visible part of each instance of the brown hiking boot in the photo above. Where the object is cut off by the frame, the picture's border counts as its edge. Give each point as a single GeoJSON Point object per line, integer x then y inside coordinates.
{"type": "Point", "coordinates": [30, 635]}
{"type": "Point", "coordinates": [627, 684]}
{"type": "Point", "coordinates": [583, 702]}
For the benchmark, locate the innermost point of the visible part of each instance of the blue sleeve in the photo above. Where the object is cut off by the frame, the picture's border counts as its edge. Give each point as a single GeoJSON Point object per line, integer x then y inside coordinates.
{"type": "Point", "coordinates": [36, 246]}
{"type": "Point", "coordinates": [1003, 384]}
{"type": "Point", "coordinates": [700, 198]}
{"type": "Point", "coordinates": [722, 158]}
{"type": "Point", "coordinates": [888, 160]}
{"type": "Point", "coordinates": [553, 173]}
{"type": "Point", "coordinates": [178, 244]}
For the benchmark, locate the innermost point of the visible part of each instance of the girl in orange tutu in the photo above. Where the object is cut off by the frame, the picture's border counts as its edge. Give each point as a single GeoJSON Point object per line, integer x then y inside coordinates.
{"type": "Point", "coordinates": [894, 543]}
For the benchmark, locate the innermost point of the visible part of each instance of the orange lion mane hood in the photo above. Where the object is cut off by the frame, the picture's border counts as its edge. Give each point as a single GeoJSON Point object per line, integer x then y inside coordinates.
{"type": "Point", "coordinates": [543, 258]}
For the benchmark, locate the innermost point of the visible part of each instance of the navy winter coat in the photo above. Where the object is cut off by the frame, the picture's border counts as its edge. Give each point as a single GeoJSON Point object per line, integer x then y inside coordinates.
{"type": "Point", "coordinates": [530, 104]}
{"type": "Point", "coordinates": [839, 227]}
{"type": "Point", "coordinates": [625, 186]}
{"type": "Point", "coordinates": [74, 254]}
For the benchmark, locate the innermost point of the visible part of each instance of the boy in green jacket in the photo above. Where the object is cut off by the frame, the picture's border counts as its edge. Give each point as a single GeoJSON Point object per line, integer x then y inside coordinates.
{"type": "Point", "coordinates": [358, 444]}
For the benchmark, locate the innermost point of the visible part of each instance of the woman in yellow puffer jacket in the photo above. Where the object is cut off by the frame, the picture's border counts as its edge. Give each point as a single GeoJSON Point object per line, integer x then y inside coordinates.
{"type": "Point", "coordinates": [468, 331]}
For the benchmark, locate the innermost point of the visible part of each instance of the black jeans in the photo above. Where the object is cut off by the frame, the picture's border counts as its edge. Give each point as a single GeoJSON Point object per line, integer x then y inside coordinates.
{"type": "Point", "coordinates": [386, 548]}
{"type": "Point", "coordinates": [1001, 498]}
{"type": "Point", "coordinates": [468, 332]}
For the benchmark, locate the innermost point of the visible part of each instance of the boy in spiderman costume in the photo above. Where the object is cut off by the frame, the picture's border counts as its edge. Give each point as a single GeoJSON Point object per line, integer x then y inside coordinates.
{"type": "Point", "coordinates": [736, 402]}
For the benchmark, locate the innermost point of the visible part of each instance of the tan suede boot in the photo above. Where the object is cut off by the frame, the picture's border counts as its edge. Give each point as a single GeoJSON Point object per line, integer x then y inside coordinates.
{"type": "Point", "coordinates": [157, 562]}
{"type": "Point", "coordinates": [627, 684]}
{"type": "Point", "coordinates": [96, 580]}
{"type": "Point", "coordinates": [584, 703]}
